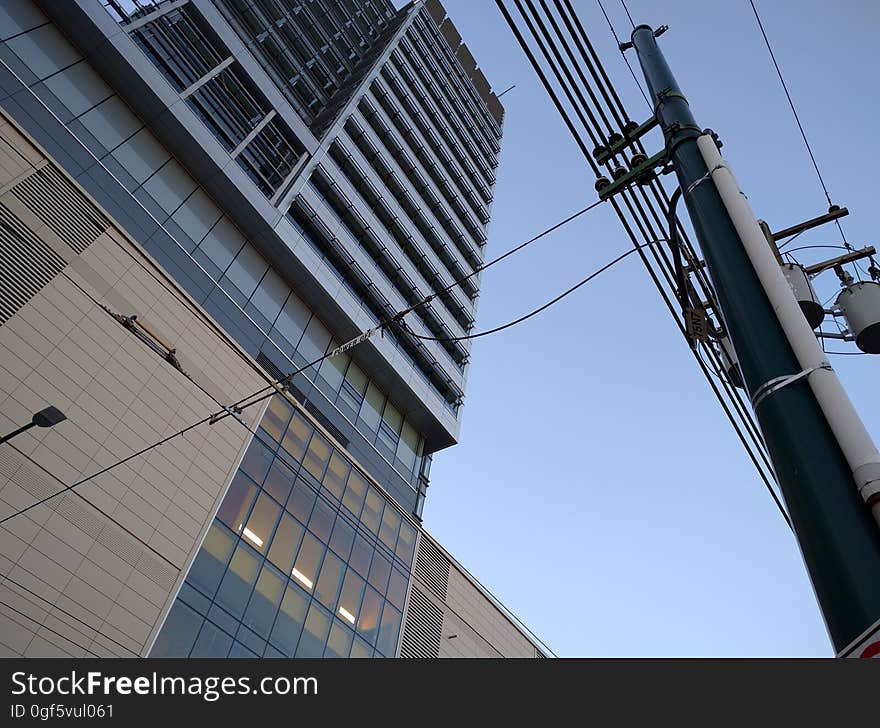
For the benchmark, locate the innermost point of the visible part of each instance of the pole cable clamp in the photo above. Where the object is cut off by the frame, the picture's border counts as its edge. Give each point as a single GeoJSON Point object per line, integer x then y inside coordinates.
{"type": "Point", "coordinates": [774, 385]}
{"type": "Point", "coordinates": [230, 411]}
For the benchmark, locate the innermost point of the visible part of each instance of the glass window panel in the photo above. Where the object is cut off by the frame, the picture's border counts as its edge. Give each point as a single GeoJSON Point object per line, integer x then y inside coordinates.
{"type": "Point", "coordinates": [270, 295]}
{"type": "Point", "coordinates": [279, 481]}
{"type": "Point", "coordinates": [246, 270]}
{"type": "Point", "coordinates": [342, 538]}
{"type": "Point", "coordinates": [317, 456]}
{"type": "Point", "coordinates": [256, 460]}
{"type": "Point", "coordinates": [329, 581]}
{"type": "Point", "coordinates": [379, 571]}
{"type": "Point", "coordinates": [305, 568]}
{"type": "Point", "coordinates": [355, 492]}
{"type": "Point", "coordinates": [390, 626]}
{"type": "Point", "coordinates": [372, 512]}
{"type": "Point", "coordinates": [262, 521]}
{"type": "Point", "coordinates": [212, 642]}
{"type": "Point", "coordinates": [285, 543]}
{"type": "Point", "coordinates": [368, 621]}
{"type": "Point", "coordinates": [237, 502]}
{"type": "Point", "coordinates": [240, 651]}
{"type": "Point", "coordinates": [170, 186]}
{"type": "Point", "coordinates": [350, 598]}
{"type": "Point", "coordinates": [314, 634]}
{"type": "Point", "coordinates": [405, 543]}
{"type": "Point", "coordinates": [392, 417]}
{"type": "Point", "coordinates": [222, 243]}
{"type": "Point", "coordinates": [339, 643]}
{"type": "Point", "coordinates": [297, 437]}
{"type": "Point", "coordinates": [179, 632]}
{"type": "Point", "coordinates": [79, 88]}
{"type": "Point", "coordinates": [277, 416]}
{"type": "Point", "coordinates": [361, 649]}
{"type": "Point", "coordinates": [407, 447]}
{"type": "Point", "coordinates": [293, 319]}
{"type": "Point", "coordinates": [371, 411]}
{"type": "Point", "coordinates": [111, 122]}
{"type": "Point", "coordinates": [397, 588]}
{"type": "Point", "coordinates": [251, 639]}
{"type": "Point", "coordinates": [43, 50]}
{"type": "Point", "coordinates": [361, 555]}
{"type": "Point", "coordinates": [315, 340]}
{"type": "Point", "coordinates": [336, 475]}
{"type": "Point", "coordinates": [210, 562]}
{"type": "Point", "coordinates": [356, 378]}
{"type": "Point", "coordinates": [197, 215]}
{"type": "Point", "coordinates": [18, 17]}
{"type": "Point", "coordinates": [264, 602]}
{"type": "Point", "coordinates": [321, 522]}
{"type": "Point", "coordinates": [333, 369]}
{"type": "Point", "coordinates": [390, 525]}
{"type": "Point", "coordinates": [289, 622]}
{"type": "Point", "coordinates": [301, 501]}
{"type": "Point", "coordinates": [141, 155]}
{"type": "Point", "coordinates": [235, 589]}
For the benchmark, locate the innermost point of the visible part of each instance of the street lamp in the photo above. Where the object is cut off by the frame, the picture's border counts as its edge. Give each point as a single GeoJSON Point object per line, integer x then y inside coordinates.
{"type": "Point", "coordinates": [48, 417]}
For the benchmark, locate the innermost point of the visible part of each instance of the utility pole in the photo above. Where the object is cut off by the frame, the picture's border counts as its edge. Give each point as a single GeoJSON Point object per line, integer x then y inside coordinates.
{"type": "Point", "coordinates": [827, 467]}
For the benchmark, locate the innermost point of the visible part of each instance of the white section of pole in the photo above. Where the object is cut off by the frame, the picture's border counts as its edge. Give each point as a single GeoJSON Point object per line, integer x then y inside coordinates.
{"type": "Point", "coordinates": [859, 449]}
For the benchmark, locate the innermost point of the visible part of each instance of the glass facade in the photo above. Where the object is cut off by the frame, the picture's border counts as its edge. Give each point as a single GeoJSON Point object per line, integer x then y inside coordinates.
{"type": "Point", "coordinates": [305, 557]}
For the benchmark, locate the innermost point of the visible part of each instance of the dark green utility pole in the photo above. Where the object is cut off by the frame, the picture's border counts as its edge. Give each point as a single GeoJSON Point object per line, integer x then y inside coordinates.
{"type": "Point", "coordinates": [838, 537]}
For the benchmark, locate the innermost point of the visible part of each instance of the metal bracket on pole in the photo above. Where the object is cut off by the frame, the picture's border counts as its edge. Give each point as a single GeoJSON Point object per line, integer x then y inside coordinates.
{"type": "Point", "coordinates": [617, 142]}
{"type": "Point", "coordinates": [638, 174]}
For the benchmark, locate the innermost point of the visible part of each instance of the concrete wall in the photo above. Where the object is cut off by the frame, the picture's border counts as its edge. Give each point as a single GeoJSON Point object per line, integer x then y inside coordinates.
{"type": "Point", "coordinates": [92, 571]}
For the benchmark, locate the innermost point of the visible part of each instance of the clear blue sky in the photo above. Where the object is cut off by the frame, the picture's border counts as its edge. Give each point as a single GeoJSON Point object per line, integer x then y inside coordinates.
{"type": "Point", "coordinates": [598, 489]}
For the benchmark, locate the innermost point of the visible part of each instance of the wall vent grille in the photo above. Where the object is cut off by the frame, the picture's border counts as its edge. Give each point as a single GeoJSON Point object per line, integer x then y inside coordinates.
{"type": "Point", "coordinates": [422, 628]}
{"type": "Point", "coordinates": [27, 263]}
{"type": "Point", "coordinates": [432, 568]}
{"type": "Point", "coordinates": [62, 207]}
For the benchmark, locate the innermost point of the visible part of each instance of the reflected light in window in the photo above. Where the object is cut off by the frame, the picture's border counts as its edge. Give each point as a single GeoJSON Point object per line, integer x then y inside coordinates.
{"type": "Point", "coordinates": [253, 538]}
{"type": "Point", "coordinates": [302, 578]}
{"type": "Point", "coordinates": [346, 614]}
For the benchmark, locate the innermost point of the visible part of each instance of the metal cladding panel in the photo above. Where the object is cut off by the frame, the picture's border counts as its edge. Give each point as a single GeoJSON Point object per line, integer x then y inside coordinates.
{"type": "Point", "coordinates": [450, 32]}
{"type": "Point", "coordinates": [435, 10]}
{"type": "Point", "coordinates": [466, 59]}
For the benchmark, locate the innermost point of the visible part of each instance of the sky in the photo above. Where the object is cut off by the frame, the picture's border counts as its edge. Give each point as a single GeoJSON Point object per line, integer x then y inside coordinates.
{"type": "Point", "coordinates": [598, 489]}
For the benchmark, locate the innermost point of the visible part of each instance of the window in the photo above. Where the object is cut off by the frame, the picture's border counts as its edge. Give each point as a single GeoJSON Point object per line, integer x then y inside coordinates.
{"type": "Point", "coordinates": [222, 243]}
{"type": "Point", "coordinates": [237, 502]}
{"type": "Point", "coordinates": [304, 577]}
{"type": "Point", "coordinates": [246, 270]}
{"type": "Point", "coordinates": [141, 155]}
{"type": "Point", "coordinates": [286, 543]}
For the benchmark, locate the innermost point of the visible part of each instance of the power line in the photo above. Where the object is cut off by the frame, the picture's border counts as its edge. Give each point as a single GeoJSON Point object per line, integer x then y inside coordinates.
{"type": "Point", "coordinates": [259, 396]}
{"type": "Point", "coordinates": [626, 10]}
{"type": "Point", "coordinates": [637, 211]}
{"type": "Point", "coordinates": [547, 305]}
{"type": "Point", "coordinates": [791, 104]}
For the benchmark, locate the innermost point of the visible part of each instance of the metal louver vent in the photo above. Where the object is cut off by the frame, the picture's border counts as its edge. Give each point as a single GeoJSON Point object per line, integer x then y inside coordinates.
{"type": "Point", "coordinates": [27, 264]}
{"type": "Point", "coordinates": [432, 568]}
{"type": "Point", "coordinates": [62, 207]}
{"type": "Point", "coordinates": [422, 627]}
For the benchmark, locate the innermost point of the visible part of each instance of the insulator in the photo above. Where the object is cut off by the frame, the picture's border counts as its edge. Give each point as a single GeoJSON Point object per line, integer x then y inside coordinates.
{"type": "Point", "coordinates": [637, 159]}
{"type": "Point", "coordinates": [618, 172]}
{"type": "Point", "coordinates": [602, 183]}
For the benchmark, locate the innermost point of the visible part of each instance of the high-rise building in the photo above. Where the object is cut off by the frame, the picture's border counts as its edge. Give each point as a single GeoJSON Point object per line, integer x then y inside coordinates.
{"type": "Point", "coordinates": [200, 197]}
